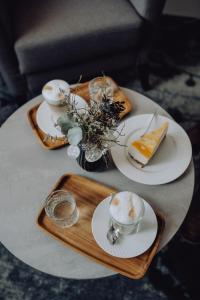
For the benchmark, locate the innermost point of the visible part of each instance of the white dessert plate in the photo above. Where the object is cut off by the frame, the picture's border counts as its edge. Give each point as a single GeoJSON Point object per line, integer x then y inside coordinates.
{"type": "Point", "coordinates": [45, 120]}
{"type": "Point", "coordinates": [169, 162]}
{"type": "Point", "coordinates": [129, 245]}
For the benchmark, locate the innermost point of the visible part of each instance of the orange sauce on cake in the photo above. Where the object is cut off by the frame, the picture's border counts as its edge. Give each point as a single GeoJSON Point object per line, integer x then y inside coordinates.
{"type": "Point", "coordinates": [142, 149]}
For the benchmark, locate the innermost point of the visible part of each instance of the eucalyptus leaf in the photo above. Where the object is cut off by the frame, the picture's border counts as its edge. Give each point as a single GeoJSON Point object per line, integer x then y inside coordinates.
{"type": "Point", "coordinates": [75, 135]}
{"type": "Point", "coordinates": [65, 123]}
{"type": "Point", "coordinates": [73, 151]}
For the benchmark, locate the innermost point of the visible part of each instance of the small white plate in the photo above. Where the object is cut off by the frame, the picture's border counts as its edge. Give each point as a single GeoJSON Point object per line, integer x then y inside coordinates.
{"type": "Point", "coordinates": [169, 162]}
{"type": "Point", "coordinates": [129, 245]}
{"type": "Point", "coordinates": [45, 120]}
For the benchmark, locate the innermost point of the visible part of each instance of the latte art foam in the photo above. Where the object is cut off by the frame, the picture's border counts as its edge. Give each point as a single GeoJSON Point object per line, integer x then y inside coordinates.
{"type": "Point", "coordinates": [126, 207]}
{"type": "Point", "coordinates": [52, 91]}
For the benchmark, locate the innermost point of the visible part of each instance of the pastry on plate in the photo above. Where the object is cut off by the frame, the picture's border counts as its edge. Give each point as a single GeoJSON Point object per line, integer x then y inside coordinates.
{"type": "Point", "coordinates": [142, 150]}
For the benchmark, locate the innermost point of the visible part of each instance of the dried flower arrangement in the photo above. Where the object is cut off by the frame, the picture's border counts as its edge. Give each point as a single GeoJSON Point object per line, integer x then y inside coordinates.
{"type": "Point", "coordinates": [93, 128]}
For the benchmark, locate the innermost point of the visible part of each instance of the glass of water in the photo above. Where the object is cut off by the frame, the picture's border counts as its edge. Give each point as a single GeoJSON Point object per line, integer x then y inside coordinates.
{"type": "Point", "coordinates": [101, 86]}
{"type": "Point", "coordinates": [61, 208]}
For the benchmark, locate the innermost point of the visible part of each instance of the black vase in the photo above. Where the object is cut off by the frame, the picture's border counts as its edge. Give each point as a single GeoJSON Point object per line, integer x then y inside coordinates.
{"type": "Point", "coordinates": [97, 166]}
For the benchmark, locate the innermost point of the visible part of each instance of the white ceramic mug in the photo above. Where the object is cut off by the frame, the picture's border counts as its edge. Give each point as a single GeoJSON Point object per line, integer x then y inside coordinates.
{"type": "Point", "coordinates": [53, 93]}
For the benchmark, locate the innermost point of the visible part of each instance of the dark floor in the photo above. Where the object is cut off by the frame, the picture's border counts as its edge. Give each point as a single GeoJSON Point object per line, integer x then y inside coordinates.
{"type": "Point", "coordinates": [174, 272]}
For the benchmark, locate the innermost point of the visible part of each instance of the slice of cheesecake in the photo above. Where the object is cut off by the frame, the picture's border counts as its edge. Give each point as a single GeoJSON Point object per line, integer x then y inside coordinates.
{"type": "Point", "coordinates": [143, 149]}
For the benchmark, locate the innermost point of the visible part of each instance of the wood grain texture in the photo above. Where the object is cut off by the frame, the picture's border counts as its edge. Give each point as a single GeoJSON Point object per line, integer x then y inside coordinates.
{"type": "Point", "coordinates": [88, 195]}
{"type": "Point", "coordinates": [83, 91]}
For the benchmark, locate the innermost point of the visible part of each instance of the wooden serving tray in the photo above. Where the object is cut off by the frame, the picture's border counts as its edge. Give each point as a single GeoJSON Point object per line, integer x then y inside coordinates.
{"type": "Point", "coordinates": [83, 91]}
{"type": "Point", "coordinates": [88, 194]}
{"type": "Point", "coordinates": [41, 136]}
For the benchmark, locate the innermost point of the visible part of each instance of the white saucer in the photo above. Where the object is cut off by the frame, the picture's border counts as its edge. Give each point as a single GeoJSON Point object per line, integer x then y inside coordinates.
{"type": "Point", "coordinates": [45, 120]}
{"type": "Point", "coordinates": [130, 245]}
{"type": "Point", "coordinates": [169, 162]}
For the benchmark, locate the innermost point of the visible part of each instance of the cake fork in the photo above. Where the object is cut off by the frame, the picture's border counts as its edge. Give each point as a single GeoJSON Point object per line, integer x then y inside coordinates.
{"type": "Point", "coordinates": [154, 115]}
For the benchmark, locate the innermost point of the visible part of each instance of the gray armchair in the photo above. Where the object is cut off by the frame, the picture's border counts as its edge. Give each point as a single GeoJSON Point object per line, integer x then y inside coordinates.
{"type": "Point", "coordinates": [42, 40]}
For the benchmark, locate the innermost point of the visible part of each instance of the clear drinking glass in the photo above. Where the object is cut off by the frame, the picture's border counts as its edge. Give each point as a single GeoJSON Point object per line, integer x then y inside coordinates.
{"type": "Point", "coordinates": [60, 206]}
{"type": "Point", "coordinates": [125, 229]}
{"type": "Point", "coordinates": [99, 87]}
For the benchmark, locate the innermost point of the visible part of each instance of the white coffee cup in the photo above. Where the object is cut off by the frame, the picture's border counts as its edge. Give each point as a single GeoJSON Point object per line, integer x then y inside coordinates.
{"type": "Point", "coordinates": [126, 212]}
{"type": "Point", "coordinates": [53, 93]}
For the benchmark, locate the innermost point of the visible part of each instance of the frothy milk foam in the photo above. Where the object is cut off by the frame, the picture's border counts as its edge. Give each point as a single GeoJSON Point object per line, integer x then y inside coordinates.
{"type": "Point", "coordinates": [52, 91]}
{"type": "Point", "coordinates": [126, 207]}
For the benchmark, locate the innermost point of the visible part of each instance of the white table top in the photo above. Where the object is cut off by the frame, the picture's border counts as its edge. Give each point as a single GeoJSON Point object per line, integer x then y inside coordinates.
{"type": "Point", "coordinates": [27, 174]}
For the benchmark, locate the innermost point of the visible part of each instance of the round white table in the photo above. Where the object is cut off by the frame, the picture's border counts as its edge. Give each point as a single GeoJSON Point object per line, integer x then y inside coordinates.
{"type": "Point", "coordinates": [27, 174]}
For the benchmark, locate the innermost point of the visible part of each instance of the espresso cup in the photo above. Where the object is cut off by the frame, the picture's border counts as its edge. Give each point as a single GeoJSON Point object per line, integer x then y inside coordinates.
{"type": "Point", "coordinates": [126, 212]}
{"type": "Point", "coordinates": [54, 93]}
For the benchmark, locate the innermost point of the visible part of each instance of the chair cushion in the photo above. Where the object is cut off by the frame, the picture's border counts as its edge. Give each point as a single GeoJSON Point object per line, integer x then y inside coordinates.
{"type": "Point", "coordinates": [53, 33]}
{"type": "Point", "coordinates": [110, 65]}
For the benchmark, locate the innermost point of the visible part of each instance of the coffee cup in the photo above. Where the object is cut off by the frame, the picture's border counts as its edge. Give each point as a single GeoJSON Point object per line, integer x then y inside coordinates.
{"type": "Point", "coordinates": [126, 212]}
{"type": "Point", "coordinates": [54, 93]}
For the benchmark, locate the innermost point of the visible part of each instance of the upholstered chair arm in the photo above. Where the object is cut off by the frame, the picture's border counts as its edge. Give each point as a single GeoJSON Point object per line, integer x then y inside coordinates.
{"type": "Point", "coordinates": [150, 10]}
